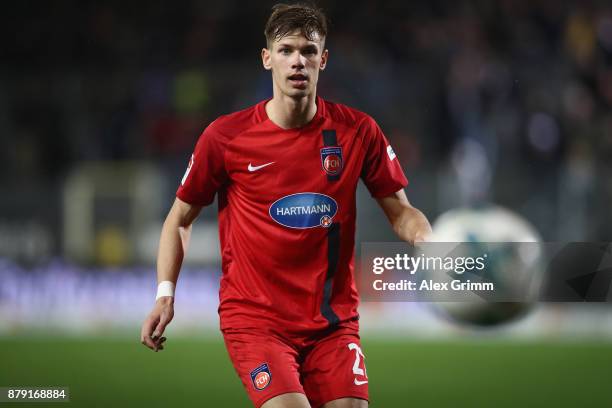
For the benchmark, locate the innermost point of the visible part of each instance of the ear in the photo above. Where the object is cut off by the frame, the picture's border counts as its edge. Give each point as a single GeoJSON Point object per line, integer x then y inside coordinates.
{"type": "Point", "coordinates": [265, 58]}
{"type": "Point", "coordinates": [324, 57]}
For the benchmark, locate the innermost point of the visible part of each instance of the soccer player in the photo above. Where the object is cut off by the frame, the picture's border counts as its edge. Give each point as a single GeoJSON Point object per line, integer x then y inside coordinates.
{"type": "Point", "coordinates": [285, 173]}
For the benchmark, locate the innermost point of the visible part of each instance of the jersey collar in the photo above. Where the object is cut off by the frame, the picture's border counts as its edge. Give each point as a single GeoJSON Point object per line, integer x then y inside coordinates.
{"type": "Point", "coordinates": [262, 115]}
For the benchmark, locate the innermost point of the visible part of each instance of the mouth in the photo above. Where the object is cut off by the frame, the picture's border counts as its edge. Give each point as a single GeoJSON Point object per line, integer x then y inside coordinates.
{"type": "Point", "coordinates": [298, 81]}
{"type": "Point", "coordinates": [298, 77]}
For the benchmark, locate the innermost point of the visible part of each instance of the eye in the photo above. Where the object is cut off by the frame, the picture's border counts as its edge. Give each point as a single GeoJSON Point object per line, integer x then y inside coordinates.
{"type": "Point", "coordinates": [285, 51]}
{"type": "Point", "coordinates": [310, 51]}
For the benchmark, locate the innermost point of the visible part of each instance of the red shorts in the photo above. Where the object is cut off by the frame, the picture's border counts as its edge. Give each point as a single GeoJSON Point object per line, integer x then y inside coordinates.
{"type": "Point", "coordinates": [324, 368]}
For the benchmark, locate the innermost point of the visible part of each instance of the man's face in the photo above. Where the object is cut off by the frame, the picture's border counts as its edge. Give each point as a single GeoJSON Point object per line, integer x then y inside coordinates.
{"type": "Point", "coordinates": [295, 63]}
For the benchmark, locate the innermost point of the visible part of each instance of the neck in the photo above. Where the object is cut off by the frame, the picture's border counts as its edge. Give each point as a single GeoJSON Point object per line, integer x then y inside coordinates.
{"type": "Point", "coordinates": [288, 113]}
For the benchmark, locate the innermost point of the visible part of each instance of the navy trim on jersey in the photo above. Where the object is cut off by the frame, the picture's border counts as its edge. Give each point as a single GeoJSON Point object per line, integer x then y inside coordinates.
{"type": "Point", "coordinates": [333, 255]}
{"type": "Point", "coordinates": [329, 137]}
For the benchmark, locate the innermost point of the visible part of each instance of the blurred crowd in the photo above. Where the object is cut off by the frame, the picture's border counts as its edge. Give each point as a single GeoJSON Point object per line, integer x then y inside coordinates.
{"type": "Point", "coordinates": [507, 100]}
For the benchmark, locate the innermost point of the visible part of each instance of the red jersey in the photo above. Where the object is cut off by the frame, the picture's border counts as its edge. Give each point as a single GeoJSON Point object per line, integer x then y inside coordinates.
{"type": "Point", "coordinates": [287, 211]}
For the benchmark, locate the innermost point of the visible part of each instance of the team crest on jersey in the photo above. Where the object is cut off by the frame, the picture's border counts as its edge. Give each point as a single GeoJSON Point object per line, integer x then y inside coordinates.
{"type": "Point", "coordinates": [331, 160]}
{"type": "Point", "coordinates": [261, 377]}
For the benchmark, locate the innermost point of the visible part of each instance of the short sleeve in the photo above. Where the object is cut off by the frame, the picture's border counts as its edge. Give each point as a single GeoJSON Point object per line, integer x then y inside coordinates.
{"type": "Point", "coordinates": [206, 171]}
{"type": "Point", "coordinates": [381, 172]}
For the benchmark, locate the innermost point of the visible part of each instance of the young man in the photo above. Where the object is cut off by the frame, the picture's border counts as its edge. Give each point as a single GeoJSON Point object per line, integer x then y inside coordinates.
{"type": "Point", "coordinates": [286, 172]}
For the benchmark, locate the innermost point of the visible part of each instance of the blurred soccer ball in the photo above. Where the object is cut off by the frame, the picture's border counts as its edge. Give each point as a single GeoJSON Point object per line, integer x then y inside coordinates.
{"type": "Point", "coordinates": [512, 264]}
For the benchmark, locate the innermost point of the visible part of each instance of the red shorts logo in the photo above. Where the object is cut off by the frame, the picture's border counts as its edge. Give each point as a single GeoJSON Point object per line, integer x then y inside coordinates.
{"type": "Point", "coordinates": [261, 380]}
{"type": "Point", "coordinates": [261, 377]}
{"type": "Point", "coordinates": [332, 164]}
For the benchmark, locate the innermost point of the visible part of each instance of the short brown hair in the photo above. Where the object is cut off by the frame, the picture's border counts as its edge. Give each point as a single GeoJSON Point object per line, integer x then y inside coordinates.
{"type": "Point", "coordinates": [288, 18]}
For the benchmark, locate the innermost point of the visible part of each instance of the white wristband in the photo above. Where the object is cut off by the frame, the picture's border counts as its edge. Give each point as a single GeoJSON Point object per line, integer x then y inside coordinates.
{"type": "Point", "coordinates": [165, 288]}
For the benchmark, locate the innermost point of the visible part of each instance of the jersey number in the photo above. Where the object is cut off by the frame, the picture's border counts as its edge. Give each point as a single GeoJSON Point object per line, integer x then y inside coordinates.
{"type": "Point", "coordinates": [358, 356]}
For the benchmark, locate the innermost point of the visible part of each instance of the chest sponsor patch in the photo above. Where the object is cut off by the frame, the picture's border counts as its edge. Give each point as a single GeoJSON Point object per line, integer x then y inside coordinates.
{"type": "Point", "coordinates": [261, 377]}
{"type": "Point", "coordinates": [304, 210]}
{"type": "Point", "coordinates": [331, 160]}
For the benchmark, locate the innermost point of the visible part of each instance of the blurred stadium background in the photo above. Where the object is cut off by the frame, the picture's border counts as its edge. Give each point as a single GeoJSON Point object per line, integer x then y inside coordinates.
{"type": "Point", "coordinates": [102, 102]}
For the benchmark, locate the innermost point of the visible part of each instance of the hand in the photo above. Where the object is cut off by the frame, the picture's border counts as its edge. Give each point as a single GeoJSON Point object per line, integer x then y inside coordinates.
{"type": "Point", "coordinates": [422, 232]}
{"type": "Point", "coordinates": [155, 324]}
{"type": "Point", "coordinates": [408, 222]}
{"type": "Point", "coordinates": [418, 228]}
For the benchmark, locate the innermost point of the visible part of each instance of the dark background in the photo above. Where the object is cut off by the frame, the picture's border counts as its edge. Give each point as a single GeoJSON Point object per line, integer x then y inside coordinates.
{"type": "Point", "coordinates": [505, 100]}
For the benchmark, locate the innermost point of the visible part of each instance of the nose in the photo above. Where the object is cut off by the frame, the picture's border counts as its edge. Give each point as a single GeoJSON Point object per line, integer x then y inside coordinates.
{"type": "Point", "coordinates": [298, 61]}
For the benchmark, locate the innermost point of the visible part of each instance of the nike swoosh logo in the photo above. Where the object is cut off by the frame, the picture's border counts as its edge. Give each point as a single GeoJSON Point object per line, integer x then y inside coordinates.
{"type": "Point", "coordinates": [255, 168]}
{"type": "Point", "coordinates": [357, 382]}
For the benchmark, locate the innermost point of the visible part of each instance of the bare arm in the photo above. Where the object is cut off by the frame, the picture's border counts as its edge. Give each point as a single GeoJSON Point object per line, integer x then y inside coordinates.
{"type": "Point", "coordinates": [174, 240]}
{"type": "Point", "coordinates": [408, 222]}
{"type": "Point", "coordinates": [173, 244]}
